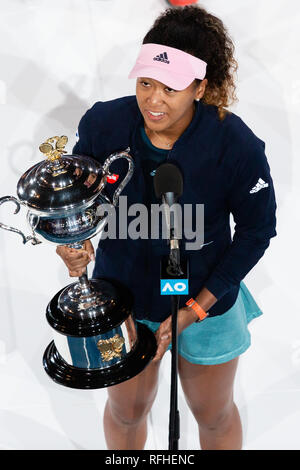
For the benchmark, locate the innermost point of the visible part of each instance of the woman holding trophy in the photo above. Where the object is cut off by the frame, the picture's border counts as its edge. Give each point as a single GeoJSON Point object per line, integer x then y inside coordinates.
{"type": "Point", "coordinates": [185, 81]}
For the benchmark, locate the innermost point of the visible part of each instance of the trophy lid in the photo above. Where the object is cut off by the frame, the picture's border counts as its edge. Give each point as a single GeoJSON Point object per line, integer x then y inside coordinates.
{"type": "Point", "coordinates": [60, 182]}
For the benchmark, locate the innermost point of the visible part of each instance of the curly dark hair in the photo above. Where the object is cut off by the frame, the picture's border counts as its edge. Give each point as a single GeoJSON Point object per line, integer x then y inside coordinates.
{"type": "Point", "coordinates": [192, 29]}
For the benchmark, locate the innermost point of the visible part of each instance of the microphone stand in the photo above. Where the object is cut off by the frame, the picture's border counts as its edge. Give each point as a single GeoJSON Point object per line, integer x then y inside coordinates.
{"type": "Point", "coordinates": [168, 184]}
{"type": "Point", "coordinates": [175, 271]}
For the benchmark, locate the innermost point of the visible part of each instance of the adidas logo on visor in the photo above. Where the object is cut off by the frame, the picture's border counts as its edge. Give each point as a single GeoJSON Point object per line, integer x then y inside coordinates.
{"type": "Point", "coordinates": [162, 58]}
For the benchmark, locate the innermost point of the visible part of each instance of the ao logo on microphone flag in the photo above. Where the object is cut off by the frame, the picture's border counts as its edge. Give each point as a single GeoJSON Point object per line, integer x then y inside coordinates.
{"type": "Point", "coordinates": [174, 287]}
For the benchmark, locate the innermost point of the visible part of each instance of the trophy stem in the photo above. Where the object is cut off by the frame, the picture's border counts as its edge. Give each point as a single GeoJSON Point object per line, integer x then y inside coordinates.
{"type": "Point", "coordinates": [85, 284]}
{"type": "Point", "coordinates": [82, 298]}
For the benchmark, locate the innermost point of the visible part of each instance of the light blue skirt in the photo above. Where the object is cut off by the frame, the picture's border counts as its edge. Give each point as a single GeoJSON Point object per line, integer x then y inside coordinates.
{"type": "Point", "coordinates": [218, 339]}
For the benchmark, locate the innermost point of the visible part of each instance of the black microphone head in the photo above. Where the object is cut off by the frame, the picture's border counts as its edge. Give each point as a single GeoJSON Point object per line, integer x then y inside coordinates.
{"type": "Point", "coordinates": [168, 179]}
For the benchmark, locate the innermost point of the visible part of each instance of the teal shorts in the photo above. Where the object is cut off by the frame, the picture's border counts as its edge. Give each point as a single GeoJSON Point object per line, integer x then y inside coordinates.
{"type": "Point", "coordinates": [217, 339]}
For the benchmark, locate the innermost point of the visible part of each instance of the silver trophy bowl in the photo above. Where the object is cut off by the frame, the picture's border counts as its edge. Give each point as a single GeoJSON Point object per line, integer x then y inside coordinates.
{"type": "Point", "coordinates": [97, 342]}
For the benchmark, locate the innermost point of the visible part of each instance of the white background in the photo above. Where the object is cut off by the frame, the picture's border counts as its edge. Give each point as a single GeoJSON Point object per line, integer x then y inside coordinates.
{"type": "Point", "coordinates": [57, 58]}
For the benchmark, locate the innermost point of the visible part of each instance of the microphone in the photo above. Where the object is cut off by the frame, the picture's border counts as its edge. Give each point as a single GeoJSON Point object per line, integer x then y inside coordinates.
{"type": "Point", "coordinates": [168, 179]}
{"type": "Point", "coordinates": [168, 186]}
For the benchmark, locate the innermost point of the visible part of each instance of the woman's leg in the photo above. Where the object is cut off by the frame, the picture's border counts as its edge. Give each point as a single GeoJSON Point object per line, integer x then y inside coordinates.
{"type": "Point", "coordinates": [126, 410]}
{"type": "Point", "coordinates": [209, 394]}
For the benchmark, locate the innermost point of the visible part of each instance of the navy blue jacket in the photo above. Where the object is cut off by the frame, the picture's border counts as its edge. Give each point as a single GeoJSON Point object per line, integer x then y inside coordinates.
{"type": "Point", "coordinates": [224, 167]}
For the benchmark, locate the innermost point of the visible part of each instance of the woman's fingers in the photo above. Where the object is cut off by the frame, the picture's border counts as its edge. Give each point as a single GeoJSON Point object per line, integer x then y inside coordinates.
{"type": "Point", "coordinates": [163, 339]}
{"type": "Point", "coordinates": [164, 333]}
{"type": "Point", "coordinates": [78, 273]}
{"type": "Point", "coordinates": [76, 260]}
{"type": "Point", "coordinates": [77, 263]}
{"type": "Point", "coordinates": [89, 249]}
{"type": "Point", "coordinates": [162, 346]}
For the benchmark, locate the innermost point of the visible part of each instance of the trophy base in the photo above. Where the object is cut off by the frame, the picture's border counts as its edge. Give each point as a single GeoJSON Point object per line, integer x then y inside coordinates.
{"type": "Point", "coordinates": [75, 377]}
{"type": "Point", "coordinates": [73, 325]}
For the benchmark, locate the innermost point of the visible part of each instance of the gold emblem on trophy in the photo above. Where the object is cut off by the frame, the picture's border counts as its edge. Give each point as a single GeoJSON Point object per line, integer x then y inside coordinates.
{"type": "Point", "coordinates": [51, 152]}
{"type": "Point", "coordinates": [110, 348]}
{"type": "Point", "coordinates": [54, 155]}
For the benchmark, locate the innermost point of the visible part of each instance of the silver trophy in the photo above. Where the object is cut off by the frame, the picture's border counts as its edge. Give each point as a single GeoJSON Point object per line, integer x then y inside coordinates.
{"type": "Point", "coordinates": [97, 342]}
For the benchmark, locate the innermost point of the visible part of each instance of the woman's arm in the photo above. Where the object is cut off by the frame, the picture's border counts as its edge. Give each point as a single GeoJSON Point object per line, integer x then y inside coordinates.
{"type": "Point", "coordinates": [254, 214]}
{"type": "Point", "coordinates": [253, 205]}
{"type": "Point", "coordinates": [205, 299]}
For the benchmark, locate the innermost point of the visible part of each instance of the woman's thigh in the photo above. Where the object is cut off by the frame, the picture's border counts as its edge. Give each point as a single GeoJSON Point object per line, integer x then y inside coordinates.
{"type": "Point", "coordinates": [208, 389]}
{"type": "Point", "coordinates": [132, 400]}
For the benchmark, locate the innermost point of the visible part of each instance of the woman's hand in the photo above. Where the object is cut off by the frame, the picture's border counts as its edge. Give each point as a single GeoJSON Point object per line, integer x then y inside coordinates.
{"type": "Point", "coordinates": [76, 260]}
{"type": "Point", "coordinates": [185, 317]}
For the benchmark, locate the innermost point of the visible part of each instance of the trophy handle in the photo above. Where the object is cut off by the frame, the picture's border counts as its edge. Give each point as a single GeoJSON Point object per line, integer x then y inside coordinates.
{"type": "Point", "coordinates": [129, 173]}
{"type": "Point", "coordinates": [33, 240]}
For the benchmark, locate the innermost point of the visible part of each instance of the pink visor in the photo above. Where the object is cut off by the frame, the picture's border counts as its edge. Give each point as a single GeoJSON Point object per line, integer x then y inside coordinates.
{"type": "Point", "coordinates": [170, 66]}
